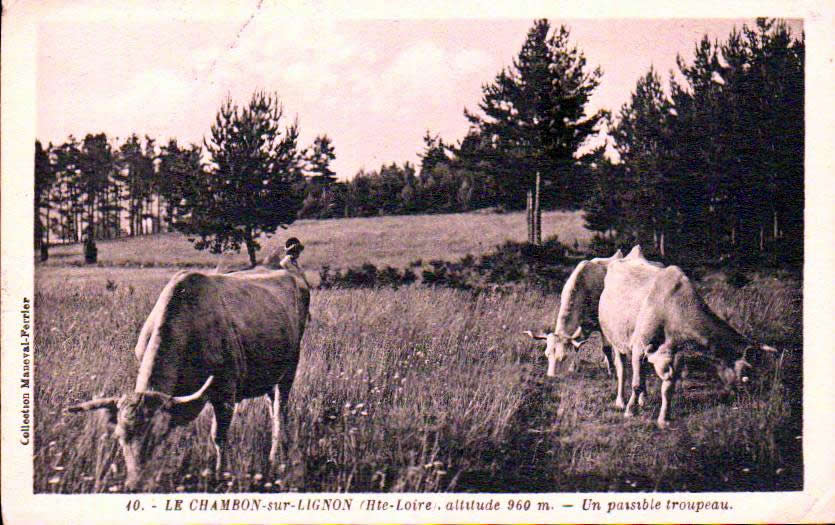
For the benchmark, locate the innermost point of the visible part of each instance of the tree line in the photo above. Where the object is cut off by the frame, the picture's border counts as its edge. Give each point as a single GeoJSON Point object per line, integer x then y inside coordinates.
{"type": "Point", "coordinates": [712, 165]}
{"type": "Point", "coordinates": [247, 178]}
{"type": "Point", "coordinates": [101, 189]}
{"type": "Point", "coordinates": [531, 121]}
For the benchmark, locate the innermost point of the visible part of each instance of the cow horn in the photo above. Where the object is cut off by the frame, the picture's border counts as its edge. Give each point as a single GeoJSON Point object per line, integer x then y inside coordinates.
{"type": "Point", "coordinates": [767, 348]}
{"type": "Point", "coordinates": [577, 333]}
{"type": "Point", "coordinates": [539, 335]}
{"type": "Point", "coordinates": [176, 400]}
{"type": "Point", "coordinates": [107, 402]}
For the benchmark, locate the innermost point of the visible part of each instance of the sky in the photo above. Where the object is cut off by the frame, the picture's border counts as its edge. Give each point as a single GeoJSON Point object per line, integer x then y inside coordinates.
{"type": "Point", "coordinates": [374, 86]}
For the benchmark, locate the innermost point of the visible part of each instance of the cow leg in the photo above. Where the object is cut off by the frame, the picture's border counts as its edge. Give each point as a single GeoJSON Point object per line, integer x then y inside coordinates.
{"type": "Point", "coordinates": [637, 380]}
{"type": "Point", "coordinates": [224, 410]}
{"type": "Point", "coordinates": [607, 353]}
{"type": "Point", "coordinates": [642, 396]}
{"type": "Point", "coordinates": [279, 398]}
{"type": "Point", "coordinates": [618, 358]}
{"type": "Point", "coordinates": [663, 362]}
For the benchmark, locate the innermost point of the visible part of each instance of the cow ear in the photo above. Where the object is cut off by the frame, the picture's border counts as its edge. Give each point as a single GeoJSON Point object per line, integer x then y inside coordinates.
{"type": "Point", "coordinates": [108, 403]}
{"type": "Point", "coordinates": [538, 335]}
{"type": "Point", "coordinates": [109, 418]}
{"type": "Point", "coordinates": [108, 406]}
{"type": "Point", "coordinates": [747, 353]}
{"type": "Point", "coordinates": [754, 355]}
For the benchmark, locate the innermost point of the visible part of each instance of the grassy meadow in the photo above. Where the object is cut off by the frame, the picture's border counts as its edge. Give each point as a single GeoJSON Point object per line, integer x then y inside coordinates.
{"type": "Point", "coordinates": [391, 240]}
{"type": "Point", "coordinates": [415, 389]}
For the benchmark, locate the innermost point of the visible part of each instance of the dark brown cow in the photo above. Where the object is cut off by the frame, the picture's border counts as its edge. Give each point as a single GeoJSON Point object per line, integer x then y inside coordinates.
{"type": "Point", "coordinates": [216, 338]}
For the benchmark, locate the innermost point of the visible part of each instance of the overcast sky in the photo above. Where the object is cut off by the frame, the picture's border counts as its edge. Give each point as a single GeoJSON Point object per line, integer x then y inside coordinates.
{"type": "Point", "coordinates": [374, 86]}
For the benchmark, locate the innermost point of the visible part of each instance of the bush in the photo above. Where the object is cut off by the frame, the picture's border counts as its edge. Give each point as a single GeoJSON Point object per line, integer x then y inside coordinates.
{"type": "Point", "coordinates": [366, 276]}
{"type": "Point", "coordinates": [512, 263]}
{"type": "Point", "coordinates": [545, 267]}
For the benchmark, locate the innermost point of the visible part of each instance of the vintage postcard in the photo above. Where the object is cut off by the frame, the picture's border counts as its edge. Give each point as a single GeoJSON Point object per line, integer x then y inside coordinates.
{"type": "Point", "coordinates": [312, 262]}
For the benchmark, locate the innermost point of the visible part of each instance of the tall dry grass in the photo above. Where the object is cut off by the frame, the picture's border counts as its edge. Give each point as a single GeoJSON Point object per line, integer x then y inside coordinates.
{"type": "Point", "coordinates": [416, 389]}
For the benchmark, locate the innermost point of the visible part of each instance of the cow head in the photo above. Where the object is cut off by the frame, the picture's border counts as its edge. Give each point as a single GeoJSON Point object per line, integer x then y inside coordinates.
{"type": "Point", "coordinates": [556, 346]}
{"type": "Point", "coordinates": [139, 420]}
{"type": "Point", "coordinates": [741, 371]}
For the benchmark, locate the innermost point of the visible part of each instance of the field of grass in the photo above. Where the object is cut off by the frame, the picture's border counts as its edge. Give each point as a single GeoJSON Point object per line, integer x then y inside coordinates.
{"type": "Point", "coordinates": [390, 240]}
{"type": "Point", "coordinates": [419, 389]}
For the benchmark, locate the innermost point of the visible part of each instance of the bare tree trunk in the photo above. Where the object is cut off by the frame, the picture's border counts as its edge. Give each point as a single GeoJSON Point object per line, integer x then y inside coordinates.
{"type": "Point", "coordinates": [169, 216]}
{"type": "Point", "coordinates": [537, 215]}
{"type": "Point", "coordinates": [250, 245]}
{"type": "Point", "coordinates": [529, 209]}
{"type": "Point", "coordinates": [131, 215]}
{"type": "Point", "coordinates": [776, 226]}
{"type": "Point", "coordinates": [62, 215]}
{"type": "Point", "coordinates": [762, 237]}
{"type": "Point", "coordinates": [117, 210]}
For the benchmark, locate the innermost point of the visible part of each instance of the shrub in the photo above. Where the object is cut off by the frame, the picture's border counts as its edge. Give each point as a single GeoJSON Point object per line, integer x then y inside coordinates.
{"type": "Point", "coordinates": [545, 267]}
{"type": "Point", "coordinates": [366, 276]}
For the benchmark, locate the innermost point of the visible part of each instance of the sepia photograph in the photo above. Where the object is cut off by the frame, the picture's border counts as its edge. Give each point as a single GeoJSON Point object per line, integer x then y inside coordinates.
{"type": "Point", "coordinates": [325, 265]}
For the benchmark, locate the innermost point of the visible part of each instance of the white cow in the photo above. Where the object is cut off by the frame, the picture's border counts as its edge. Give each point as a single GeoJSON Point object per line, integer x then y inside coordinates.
{"type": "Point", "coordinates": [578, 303]}
{"type": "Point", "coordinates": [651, 312]}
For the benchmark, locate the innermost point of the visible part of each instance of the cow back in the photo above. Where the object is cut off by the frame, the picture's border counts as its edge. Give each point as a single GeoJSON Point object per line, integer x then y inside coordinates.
{"type": "Point", "coordinates": [581, 293]}
{"type": "Point", "coordinates": [244, 328]}
{"type": "Point", "coordinates": [627, 284]}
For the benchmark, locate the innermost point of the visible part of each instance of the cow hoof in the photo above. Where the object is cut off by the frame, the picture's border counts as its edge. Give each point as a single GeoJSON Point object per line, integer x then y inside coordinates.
{"type": "Point", "coordinates": [663, 424]}
{"type": "Point", "coordinates": [641, 401]}
{"type": "Point", "coordinates": [619, 404]}
{"type": "Point", "coordinates": [629, 413]}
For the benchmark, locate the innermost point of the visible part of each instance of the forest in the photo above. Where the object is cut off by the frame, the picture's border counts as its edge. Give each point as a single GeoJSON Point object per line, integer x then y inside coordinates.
{"type": "Point", "coordinates": [709, 164]}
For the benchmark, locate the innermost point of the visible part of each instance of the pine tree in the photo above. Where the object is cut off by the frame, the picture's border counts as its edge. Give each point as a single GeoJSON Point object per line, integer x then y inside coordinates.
{"type": "Point", "coordinates": [255, 183]}
{"type": "Point", "coordinates": [67, 170]}
{"type": "Point", "coordinates": [179, 169]}
{"type": "Point", "coordinates": [96, 165]}
{"type": "Point", "coordinates": [534, 114]}
{"type": "Point", "coordinates": [643, 141]}
{"type": "Point", "coordinates": [534, 121]}
{"type": "Point", "coordinates": [719, 165]}
{"type": "Point", "coordinates": [434, 153]}
{"type": "Point", "coordinates": [44, 180]}
{"type": "Point", "coordinates": [320, 157]}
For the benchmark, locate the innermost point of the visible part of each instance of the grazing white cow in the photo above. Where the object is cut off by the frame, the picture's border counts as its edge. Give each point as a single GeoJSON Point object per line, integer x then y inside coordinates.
{"type": "Point", "coordinates": [652, 312]}
{"type": "Point", "coordinates": [578, 303]}
{"type": "Point", "coordinates": [216, 338]}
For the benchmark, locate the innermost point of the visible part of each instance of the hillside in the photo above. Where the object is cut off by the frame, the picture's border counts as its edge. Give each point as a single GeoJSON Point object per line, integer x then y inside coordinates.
{"type": "Point", "coordinates": [389, 240]}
